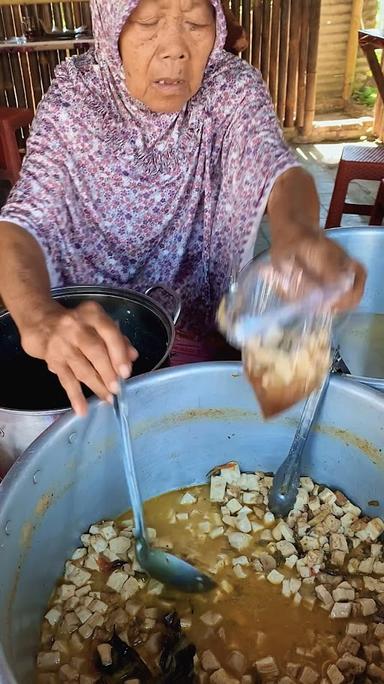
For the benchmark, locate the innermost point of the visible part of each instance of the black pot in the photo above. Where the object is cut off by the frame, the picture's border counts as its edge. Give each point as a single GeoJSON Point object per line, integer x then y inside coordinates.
{"type": "Point", "coordinates": [143, 320]}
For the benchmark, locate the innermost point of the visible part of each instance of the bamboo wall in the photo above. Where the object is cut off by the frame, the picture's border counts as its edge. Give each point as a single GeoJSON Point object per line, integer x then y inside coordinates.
{"type": "Point", "coordinates": [25, 77]}
{"type": "Point", "coordinates": [333, 49]}
{"type": "Point", "coordinates": [283, 44]}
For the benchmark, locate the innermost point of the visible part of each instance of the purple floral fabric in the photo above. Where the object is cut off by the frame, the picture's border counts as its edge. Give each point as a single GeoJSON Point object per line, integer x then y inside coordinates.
{"type": "Point", "coordinates": [118, 195]}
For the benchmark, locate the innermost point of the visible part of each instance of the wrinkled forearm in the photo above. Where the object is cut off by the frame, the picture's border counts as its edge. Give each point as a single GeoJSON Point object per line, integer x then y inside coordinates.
{"type": "Point", "coordinates": [24, 279]}
{"type": "Point", "coordinates": [293, 207]}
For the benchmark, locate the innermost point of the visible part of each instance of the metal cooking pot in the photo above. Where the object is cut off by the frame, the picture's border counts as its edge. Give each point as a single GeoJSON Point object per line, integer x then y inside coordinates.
{"type": "Point", "coordinates": [35, 398]}
{"type": "Point", "coordinates": [361, 335]}
{"type": "Point", "coordinates": [184, 421]}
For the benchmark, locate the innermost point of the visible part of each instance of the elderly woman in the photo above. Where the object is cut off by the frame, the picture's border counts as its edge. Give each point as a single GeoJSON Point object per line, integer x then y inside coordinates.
{"type": "Point", "coordinates": [152, 158]}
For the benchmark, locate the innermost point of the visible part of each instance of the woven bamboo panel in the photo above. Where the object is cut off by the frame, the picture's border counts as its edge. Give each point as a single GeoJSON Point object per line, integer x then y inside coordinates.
{"type": "Point", "coordinates": [25, 77]}
{"type": "Point", "coordinates": [283, 45]}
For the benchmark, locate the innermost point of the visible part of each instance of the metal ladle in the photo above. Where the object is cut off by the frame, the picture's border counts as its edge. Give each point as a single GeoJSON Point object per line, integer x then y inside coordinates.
{"type": "Point", "coordinates": [160, 565]}
{"type": "Point", "coordinates": [286, 481]}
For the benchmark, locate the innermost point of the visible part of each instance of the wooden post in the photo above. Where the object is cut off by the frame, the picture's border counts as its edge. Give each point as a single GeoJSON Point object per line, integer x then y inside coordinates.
{"type": "Point", "coordinates": [23, 61]}
{"type": "Point", "coordinates": [353, 44]}
{"type": "Point", "coordinates": [293, 63]}
{"type": "Point", "coordinates": [266, 41]}
{"type": "Point", "coordinates": [13, 24]}
{"type": "Point", "coordinates": [378, 122]}
{"type": "Point", "coordinates": [246, 22]}
{"type": "Point", "coordinates": [77, 14]}
{"type": "Point", "coordinates": [257, 21]}
{"type": "Point", "coordinates": [57, 17]}
{"type": "Point", "coordinates": [8, 60]}
{"type": "Point", "coordinates": [87, 19]}
{"type": "Point", "coordinates": [44, 14]}
{"type": "Point", "coordinates": [283, 61]}
{"type": "Point", "coordinates": [303, 59]}
{"type": "Point", "coordinates": [235, 8]}
{"type": "Point", "coordinates": [3, 101]}
{"type": "Point", "coordinates": [274, 61]}
{"type": "Point", "coordinates": [313, 48]}
{"type": "Point", "coordinates": [44, 70]}
{"type": "Point", "coordinates": [68, 15]}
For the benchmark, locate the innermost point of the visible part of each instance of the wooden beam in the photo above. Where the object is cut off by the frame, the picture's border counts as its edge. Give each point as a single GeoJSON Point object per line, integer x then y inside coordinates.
{"type": "Point", "coordinates": [353, 44]}
{"type": "Point", "coordinates": [313, 48]}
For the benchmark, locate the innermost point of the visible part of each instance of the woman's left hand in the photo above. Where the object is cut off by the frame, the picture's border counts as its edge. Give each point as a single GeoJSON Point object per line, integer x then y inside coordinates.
{"type": "Point", "coordinates": [324, 260]}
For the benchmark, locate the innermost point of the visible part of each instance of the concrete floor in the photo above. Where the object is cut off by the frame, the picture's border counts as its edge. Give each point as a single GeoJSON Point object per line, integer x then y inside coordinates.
{"type": "Point", "coordinates": [321, 161]}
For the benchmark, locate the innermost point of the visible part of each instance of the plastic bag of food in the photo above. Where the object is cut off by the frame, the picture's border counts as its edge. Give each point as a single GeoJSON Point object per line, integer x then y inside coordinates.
{"type": "Point", "coordinates": [282, 321]}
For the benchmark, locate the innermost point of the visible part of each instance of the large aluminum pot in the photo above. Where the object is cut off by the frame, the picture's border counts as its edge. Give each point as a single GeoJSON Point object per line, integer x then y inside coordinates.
{"type": "Point", "coordinates": [34, 398]}
{"type": "Point", "coordinates": [184, 421]}
{"type": "Point", "coordinates": [361, 335]}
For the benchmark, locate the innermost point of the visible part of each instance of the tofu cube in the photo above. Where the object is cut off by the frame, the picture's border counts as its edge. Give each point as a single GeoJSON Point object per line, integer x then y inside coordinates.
{"type": "Point", "coordinates": [218, 486]}
{"type": "Point", "coordinates": [209, 661]}
{"type": "Point", "coordinates": [79, 553]}
{"type": "Point", "coordinates": [324, 596]}
{"type": "Point", "coordinates": [98, 543]}
{"type": "Point", "coordinates": [108, 531]}
{"type": "Point", "coordinates": [267, 667]}
{"type": "Point", "coordinates": [286, 548]}
{"type": "Point", "coordinates": [338, 542]}
{"type": "Point", "coordinates": [334, 675]}
{"type": "Point", "coordinates": [309, 676]}
{"type": "Point", "coordinates": [367, 606]}
{"type": "Point", "coordinates": [375, 672]}
{"type": "Point", "coordinates": [243, 524]}
{"type": "Point", "coordinates": [356, 629]}
{"type": "Point", "coordinates": [340, 611]}
{"type": "Point", "coordinates": [53, 616]}
{"type": "Point", "coordinates": [130, 588]}
{"type": "Point", "coordinates": [239, 540]}
{"type": "Point", "coordinates": [48, 660]}
{"type": "Point", "coordinates": [116, 580]}
{"type": "Point", "coordinates": [120, 545]}
{"type": "Point", "coordinates": [275, 577]}
{"type": "Point", "coordinates": [351, 664]}
{"type": "Point", "coordinates": [211, 619]}
{"type": "Point", "coordinates": [234, 506]}
{"type": "Point", "coordinates": [188, 499]}
{"type": "Point", "coordinates": [343, 593]}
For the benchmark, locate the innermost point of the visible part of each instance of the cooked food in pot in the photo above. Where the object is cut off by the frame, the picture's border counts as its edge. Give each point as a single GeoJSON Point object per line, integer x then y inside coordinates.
{"type": "Point", "coordinates": [298, 600]}
{"type": "Point", "coordinates": [284, 368]}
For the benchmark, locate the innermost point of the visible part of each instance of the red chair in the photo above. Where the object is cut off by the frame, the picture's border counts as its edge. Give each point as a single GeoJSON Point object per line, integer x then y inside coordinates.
{"type": "Point", "coordinates": [378, 208]}
{"type": "Point", "coordinates": [11, 120]}
{"type": "Point", "coordinates": [356, 163]}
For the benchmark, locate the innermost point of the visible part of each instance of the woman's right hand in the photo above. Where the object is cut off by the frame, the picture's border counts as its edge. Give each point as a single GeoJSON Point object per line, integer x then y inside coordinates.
{"type": "Point", "coordinates": [81, 345]}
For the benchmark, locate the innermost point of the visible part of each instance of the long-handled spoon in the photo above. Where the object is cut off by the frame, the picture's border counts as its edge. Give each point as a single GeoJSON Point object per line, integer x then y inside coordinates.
{"type": "Point", "coordinates": [286, 481]}
{"type": "Point", "coordinates": [160, 565]}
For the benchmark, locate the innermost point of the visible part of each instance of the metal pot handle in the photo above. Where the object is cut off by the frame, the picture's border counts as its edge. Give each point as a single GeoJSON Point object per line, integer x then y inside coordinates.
{"type": "Point", "coordinates": [174, 296]}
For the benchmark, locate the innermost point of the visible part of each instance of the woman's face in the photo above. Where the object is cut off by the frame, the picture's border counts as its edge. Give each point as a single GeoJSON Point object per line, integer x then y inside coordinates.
{"type": "Point", "coordinates": [165, 46]}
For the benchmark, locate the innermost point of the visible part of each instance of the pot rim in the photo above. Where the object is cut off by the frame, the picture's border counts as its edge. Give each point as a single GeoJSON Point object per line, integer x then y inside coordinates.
{"type": "Point", "coordinates": [122, 293]}
{"type": "Point", "coordinates": [234, 367]}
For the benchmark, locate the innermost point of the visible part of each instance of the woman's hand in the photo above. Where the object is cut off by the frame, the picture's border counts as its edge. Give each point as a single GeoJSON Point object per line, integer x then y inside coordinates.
{"type": "Point", "coordinates": [323, 260]}
{"type": "Point", "coordinates": [79, 345]}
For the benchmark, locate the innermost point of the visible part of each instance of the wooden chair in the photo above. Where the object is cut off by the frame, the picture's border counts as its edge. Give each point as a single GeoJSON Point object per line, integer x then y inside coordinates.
{"type": "Point", "coordinates": [357, 163]}
{"type": "Point", "coordinates": [11, 120]}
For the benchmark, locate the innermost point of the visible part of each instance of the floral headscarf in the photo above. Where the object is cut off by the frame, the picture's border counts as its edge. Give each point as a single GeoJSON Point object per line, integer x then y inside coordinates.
{"type": "Point", "coordinates": [116, 194]}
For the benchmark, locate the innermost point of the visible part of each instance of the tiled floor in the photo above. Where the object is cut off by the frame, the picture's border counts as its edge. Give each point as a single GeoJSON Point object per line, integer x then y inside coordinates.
{"type": "Point", "coordinates": [321, 161]}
